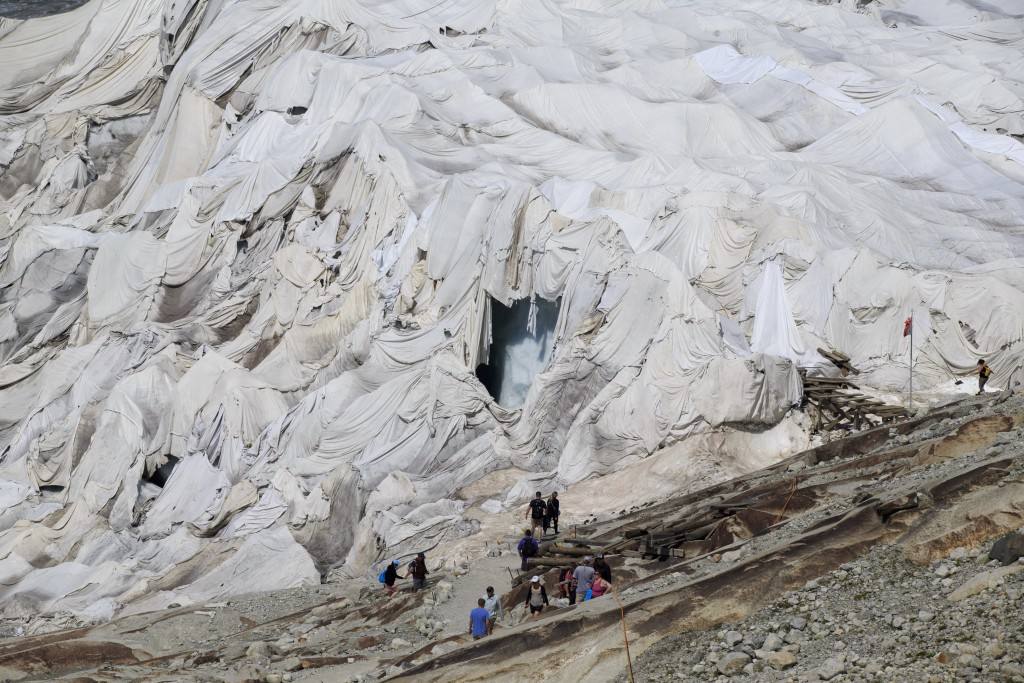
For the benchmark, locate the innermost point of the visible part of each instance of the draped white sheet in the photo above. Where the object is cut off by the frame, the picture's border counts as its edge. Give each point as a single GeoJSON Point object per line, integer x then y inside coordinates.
{"type": "Point", "coordinates": [259, 240]}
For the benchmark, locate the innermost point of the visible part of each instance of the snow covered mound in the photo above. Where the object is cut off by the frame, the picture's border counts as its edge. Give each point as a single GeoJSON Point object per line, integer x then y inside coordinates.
{"type": "Point", "coordinates": [254, 251]}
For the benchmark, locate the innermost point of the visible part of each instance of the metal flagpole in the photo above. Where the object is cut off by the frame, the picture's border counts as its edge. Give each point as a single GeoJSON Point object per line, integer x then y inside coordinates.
{"type": "Point", "coordinates": [911, 321]}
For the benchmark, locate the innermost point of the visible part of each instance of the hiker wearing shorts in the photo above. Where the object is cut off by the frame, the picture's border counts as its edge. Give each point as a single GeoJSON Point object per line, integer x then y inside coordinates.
{"type": "Point", "coordinates": [536, 597]}
{"type": "Point", "coordinates": [584, 578]}
{"type": "Point", "coordinates": [535, 512]}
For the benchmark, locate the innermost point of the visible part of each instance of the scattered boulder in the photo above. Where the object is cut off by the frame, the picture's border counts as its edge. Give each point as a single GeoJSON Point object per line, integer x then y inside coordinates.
{"type": "Point", "coordinates": [733, 663]}
{"type": "Point", "coordinates": [781, 660]}
{"type": "Point", "coordinates": [831, 668]}
{"type": "Point", "coordinates": [1008, 549]}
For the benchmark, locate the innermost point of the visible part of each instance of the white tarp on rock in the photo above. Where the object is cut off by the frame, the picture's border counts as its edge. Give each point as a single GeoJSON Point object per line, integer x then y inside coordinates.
{"type": "Point", "coordinates": [248, 252]}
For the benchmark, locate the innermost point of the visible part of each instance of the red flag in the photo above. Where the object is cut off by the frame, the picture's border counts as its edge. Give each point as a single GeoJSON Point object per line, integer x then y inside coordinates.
{"type": "Point", "coordinates": [906, 326]}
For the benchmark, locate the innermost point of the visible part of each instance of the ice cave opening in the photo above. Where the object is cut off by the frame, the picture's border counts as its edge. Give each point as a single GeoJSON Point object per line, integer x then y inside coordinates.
{"type": "Point", "coordinates": [522, 337]}
{"type": "Point", "coordinates": [162, 473]}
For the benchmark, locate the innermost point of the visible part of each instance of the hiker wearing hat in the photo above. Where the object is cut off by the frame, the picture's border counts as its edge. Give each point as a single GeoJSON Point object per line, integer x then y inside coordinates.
{"type": "Point", "coordinates": [584, 577]}
{"type": "Point", "coordinates": [419, 572]}
{"type": "Point", "coordinates": [492, 603]}
{"type": "Point", "coordinates": [536, 597]}
{"type": "Point", "coordinates": [390, 577]}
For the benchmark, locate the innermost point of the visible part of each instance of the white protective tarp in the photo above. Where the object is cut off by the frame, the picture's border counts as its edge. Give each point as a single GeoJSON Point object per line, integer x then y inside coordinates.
{"type": "Point", "coordinates": [248, 252]}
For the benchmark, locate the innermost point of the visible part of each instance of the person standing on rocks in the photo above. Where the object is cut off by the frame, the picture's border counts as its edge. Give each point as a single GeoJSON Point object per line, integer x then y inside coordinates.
{"type": "Point", "coordinates": [390, 577]}
{"type": "Point", "coordinates": [984, 372]}
{"type": "Point", "coordinates": [536, 597]}
{"type": "Point", "coordinates": [551, 519]}
{"type": "Point", "coordinates": [419, 572]}
{"type": "Point", "coordinates": [528, 547]}
{"type": "Point", "coordinates": [600, 587]}
{"type": "Point", "coordinates": [567, 584]}
{"type": "Point", "coordinates": [492, 603]}
{"type": "Point", "coordinates": [478, 621]}
{"type": "Point", "coordinates": [584, 578]}
{"type": "Point", "coordinates": [535, 512]}
{"type": "Point", "coordinates": [602, 569]}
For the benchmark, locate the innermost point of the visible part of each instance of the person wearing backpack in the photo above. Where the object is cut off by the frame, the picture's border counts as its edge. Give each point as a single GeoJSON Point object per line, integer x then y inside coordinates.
{"type": "Point", "coordinates": [528, 547]}
{"type": "Point", "coordinates": [551, 518]}
{"type": "Point", "coordinates": [984, 372]}
{"type": "Point", "coordinates": [536, 597]}
{"type": "Point", "coordinates": [418, 570]}
{"type": "Point", "coordinates": [388, 577]}
{"type": "Point", "coordinates": [536, 511]}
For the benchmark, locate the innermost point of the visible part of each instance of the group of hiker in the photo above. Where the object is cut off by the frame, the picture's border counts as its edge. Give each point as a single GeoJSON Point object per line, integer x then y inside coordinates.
{"type": "Point", "coordinates": [589, 579]}
{"type": "Point", "coordinates": [416, 570]}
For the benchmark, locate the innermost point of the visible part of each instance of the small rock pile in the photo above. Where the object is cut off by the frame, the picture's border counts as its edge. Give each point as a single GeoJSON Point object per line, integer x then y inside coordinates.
{"type": "Point", "coordinates": [880, 618]}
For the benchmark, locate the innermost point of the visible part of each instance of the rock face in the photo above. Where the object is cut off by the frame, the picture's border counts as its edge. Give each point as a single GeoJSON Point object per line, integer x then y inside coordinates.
{"type": "Point", "coordinates": [253, 255]}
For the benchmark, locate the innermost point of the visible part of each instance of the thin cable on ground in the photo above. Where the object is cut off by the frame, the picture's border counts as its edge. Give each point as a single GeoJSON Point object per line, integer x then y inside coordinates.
{"type": "Point", "coordinates": [625, 638]}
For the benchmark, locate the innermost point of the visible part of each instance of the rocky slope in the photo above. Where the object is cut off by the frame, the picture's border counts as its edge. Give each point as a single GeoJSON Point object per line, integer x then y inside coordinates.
{"type": "Point", "coordinates": [870, 563]}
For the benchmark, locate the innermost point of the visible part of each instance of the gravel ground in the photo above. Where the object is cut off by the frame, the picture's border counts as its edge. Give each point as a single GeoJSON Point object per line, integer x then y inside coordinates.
{"type": "Point", "coordinates": [880, 618]}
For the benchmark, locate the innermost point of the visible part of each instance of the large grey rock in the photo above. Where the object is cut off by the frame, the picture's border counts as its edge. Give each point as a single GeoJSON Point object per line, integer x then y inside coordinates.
{"type": "Point", "coordinates": [732, 638]}
{"type": "Point", "coordinates": [830, 668]}
{"type": "Point", "coordinates": [772, 643]}
{"type": "Point", "coordinates": [1008, 548]}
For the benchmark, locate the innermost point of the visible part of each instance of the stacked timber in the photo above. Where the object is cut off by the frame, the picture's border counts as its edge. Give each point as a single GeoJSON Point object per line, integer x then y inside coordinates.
{"type": "Point", "coordinates": [836, 403]}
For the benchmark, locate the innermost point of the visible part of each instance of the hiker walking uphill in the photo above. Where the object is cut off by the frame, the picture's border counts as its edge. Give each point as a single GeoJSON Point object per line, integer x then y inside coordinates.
{"type": "Point", "coordinates": [478, 620]}
{"type": "Point", "coordinates": [389, 576]}
{"type": "Point", "coordinates": [492, 603]}
{"type": "Point", "coordinates": [528, 547]}
{"type": "Point", "coordinates": [551, 518]}
{"type": "Point", "coordinates": [418, 570]}
{"type": "Point", "coordinates": [584, 577]}
{"type": "Point", "coordinates": [536, 597]}
{"type": "Point", "coordinates": [984, 372]}
{"type": "Point", "coordinates": [535, 512]}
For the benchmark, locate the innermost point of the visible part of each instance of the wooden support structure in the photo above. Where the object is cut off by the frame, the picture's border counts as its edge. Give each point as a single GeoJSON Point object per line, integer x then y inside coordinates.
{"type": "Point", "coordinates": [836, 403]}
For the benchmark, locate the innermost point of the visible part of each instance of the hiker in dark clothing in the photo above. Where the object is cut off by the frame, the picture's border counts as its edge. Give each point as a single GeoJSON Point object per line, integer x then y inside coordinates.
{"type": "Point", "coordinates": [602, 569]}
{"type": "Point", "coordinates": [567, 584]}
{"type": "Point", "coordinates": [535, 512]}
{"type": "Point", "coordinates": [551, 519]}
{"type": "Point", "coordinates": [419, 572]}
{"type": "Point", "coordinates": [984, 372]}
{"type": "Point", "coordinates": [528, 547]}
{"type": "Point", "coordinates": [390, 577]}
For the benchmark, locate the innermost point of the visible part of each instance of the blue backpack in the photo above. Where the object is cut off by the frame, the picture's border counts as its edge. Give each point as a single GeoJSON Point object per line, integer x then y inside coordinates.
{"type": "Point", "coordinates": [381, 577]}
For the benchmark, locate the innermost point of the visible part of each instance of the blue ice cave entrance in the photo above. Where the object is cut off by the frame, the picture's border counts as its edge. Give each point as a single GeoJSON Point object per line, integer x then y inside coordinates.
{"type": "Point", "coordinates": [521, 342]}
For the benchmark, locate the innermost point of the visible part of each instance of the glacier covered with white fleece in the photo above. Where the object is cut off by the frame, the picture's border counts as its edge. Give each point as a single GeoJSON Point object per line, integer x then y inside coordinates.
{"type": "Point", "coordinates": [260, 239]}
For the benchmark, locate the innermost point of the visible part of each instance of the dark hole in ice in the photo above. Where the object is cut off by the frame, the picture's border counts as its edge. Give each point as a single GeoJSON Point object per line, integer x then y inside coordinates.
{"type": "Point", "coordinates": [51, 488]}
{"type": "Point", "coordinates": [517, 355]}
{"type": "Point", "coordinates": [295, 111]}
{"type": "Point", "coordinates": [163, 473]}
